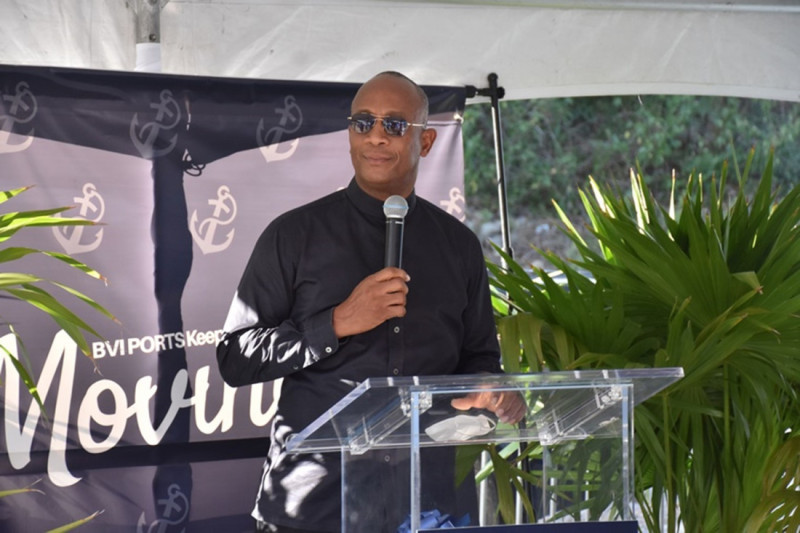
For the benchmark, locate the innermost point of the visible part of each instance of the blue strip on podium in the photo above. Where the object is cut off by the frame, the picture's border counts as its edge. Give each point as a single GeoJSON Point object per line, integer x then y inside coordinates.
{"type": "Point", "coordinates": [628, 526]}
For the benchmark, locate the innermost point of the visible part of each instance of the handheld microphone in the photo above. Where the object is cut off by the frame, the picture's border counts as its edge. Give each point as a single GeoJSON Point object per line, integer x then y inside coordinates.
{"type": "Point", "coordinates": [395, 208]}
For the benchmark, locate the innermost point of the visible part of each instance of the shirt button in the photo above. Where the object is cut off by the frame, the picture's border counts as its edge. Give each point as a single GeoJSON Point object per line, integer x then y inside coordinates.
{"type": "Point", "coordinates": [395, 371]}
{"type": "Point", "coordinates": [386, 458]}
{"type": "Point", "coordinates": [397, 329]}
{"type": "Point", "coordinates": [328, 349]}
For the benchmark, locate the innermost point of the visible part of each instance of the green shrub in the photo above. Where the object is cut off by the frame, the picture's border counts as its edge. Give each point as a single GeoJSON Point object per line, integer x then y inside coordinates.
{"type": "Point", "coordinates": [551, 145]}
{"type": "Point", "coordinates": [710, 284]}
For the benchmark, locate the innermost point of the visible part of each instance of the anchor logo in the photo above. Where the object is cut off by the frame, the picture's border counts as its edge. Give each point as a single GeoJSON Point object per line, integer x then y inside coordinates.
{"type": "Point", "coordinates": [144, 137]}
{"type": "Point", "coordinates": [176, 509]}
{"type": "Point", "coordinates": [455, 205]}
{"type": "Point", "coordinates": [17, 108]}
{"type": "Point", "coordinates": [205, 232]}
{"type": "Point", "coordinates": [71, 237]}
{"type": "Point", "coordinates": [291, 119]}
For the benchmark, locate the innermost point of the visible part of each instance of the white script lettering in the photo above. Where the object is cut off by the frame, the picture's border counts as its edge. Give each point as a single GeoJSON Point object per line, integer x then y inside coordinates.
{"type": "Point", "coordinates": [63, 353]}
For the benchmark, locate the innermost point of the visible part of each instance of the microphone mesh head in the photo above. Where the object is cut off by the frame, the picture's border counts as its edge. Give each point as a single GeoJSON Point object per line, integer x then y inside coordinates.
{"type": "Point", "coordinates": [395, 207]}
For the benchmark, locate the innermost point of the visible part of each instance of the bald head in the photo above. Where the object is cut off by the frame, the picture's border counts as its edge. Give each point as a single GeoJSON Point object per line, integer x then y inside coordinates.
{"type": "Point", "coordinates": [421, 101]}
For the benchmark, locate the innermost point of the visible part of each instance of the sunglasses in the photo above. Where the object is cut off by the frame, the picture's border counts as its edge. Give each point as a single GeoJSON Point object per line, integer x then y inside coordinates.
{"type": "Point", "coordinates": [363, 123]}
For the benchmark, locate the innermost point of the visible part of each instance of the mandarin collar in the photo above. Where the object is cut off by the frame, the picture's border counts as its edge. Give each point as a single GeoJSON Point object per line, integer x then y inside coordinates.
{"type": "Point", "coordinates": [371, 207]}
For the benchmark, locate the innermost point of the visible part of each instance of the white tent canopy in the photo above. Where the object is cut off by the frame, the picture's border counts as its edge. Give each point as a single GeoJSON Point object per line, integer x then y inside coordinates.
{"type": "Point", "coordinates": [538, 49]}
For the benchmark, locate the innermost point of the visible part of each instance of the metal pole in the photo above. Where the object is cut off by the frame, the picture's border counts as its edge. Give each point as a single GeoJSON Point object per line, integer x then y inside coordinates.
{"type": "Point", "coordinates": [148, 35]}
{"type": "Point", "coordinates": [495, 94]}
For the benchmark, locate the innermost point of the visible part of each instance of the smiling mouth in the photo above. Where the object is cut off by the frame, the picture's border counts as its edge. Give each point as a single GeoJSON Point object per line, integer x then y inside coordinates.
{"type": "Point", "coordinates": [377, 159]}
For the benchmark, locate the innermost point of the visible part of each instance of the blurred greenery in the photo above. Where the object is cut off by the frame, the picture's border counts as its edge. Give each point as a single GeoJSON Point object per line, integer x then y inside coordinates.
{"type": "Point", "coordinates": [552, 146]}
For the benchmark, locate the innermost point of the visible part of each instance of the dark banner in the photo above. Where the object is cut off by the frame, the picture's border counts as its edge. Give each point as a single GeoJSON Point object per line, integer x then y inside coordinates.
{"type": "Point", "coordinates": [182, 174]}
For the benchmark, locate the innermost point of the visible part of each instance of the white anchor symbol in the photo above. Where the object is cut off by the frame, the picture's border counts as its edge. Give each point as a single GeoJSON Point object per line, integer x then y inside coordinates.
{"type": "Point", "coordinates": [204, 233]}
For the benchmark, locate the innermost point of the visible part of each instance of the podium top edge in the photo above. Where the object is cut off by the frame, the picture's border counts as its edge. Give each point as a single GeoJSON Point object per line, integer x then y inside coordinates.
{"type": "Point", "coordinates": [621, 376]}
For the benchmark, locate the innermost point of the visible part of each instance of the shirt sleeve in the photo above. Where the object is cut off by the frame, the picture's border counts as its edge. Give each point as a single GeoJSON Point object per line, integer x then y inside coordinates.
{"type": "Point", "coordinates": [480, 350]}
{"type": "Point", "coordinates": [261, 340]}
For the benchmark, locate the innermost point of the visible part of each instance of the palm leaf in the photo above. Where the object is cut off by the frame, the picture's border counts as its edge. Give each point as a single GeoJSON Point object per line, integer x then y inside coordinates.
{"type": "Point", "coordinates": [713, 287]}
{"type": "Point", "coordinates": [11, 223]}
{"type": "Point", "coordinates": [76, 523]}
{"type": "Point", "coordinates": [22, 371]}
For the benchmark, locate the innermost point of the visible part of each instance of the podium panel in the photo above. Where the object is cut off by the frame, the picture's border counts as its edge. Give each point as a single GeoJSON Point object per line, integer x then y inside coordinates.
{"type": "Point", "coordinates": [402, 444]}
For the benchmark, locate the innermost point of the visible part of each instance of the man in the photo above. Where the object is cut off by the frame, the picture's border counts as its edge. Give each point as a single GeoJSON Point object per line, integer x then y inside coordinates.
{"type": "Point", "coordinates": [316, 307]}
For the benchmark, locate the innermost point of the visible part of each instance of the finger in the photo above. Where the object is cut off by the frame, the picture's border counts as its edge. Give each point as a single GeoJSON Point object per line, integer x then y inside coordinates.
{"type": "Point", "coordinates": [495, 402]}
{"type": "Point", "coordinates": [392, 273]}
{"type": "Point", "coordinates": [518, 415]}
{"type": "Point", "coordinates": [510, 415]}
{"type": "Point", "coordinates": [512, 408]}
{"type": "Point", "coordinates": [390, 300]}
{"type": "Point", "coordinates": [395, 286]}
{"type": "Point", "coordinates": [463, 403]}
{"type": "Point", "coordinates": [480, 400]}
{"type": "Point", "coordinates": [395, 311]}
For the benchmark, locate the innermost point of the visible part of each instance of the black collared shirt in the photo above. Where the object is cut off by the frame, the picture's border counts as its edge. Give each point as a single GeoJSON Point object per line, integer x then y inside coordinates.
{"type": "Point", "coordinates": [305, 263]}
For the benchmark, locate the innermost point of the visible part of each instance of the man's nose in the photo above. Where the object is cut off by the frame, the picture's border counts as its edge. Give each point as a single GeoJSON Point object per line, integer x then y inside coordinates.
{"type": "Point", "coordinates": [378, 133]}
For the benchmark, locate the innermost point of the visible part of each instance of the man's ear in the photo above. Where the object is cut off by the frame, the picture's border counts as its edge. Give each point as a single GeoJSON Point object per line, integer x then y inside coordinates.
{"type": "Point", "coordinates": [427, 138]}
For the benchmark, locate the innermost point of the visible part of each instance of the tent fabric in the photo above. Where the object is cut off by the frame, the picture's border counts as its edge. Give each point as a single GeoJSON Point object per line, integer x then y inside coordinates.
{"type": "Point", "coordinates": [538, 49]}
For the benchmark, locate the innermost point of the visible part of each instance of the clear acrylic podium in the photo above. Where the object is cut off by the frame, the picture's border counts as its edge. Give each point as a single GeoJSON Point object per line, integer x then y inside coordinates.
{"type": "Point", "coordinates": [399, 440]}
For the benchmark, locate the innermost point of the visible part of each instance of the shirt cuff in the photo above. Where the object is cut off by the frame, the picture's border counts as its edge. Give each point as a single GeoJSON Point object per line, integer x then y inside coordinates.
{"type": "Point", "coordinates": [318, 330]}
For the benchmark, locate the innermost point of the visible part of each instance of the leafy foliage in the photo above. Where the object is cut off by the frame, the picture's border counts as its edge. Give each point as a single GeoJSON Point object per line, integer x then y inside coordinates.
{"type": "Point", "coordinates": [28, 288]}
{"type": "Point", "coordinates": [711, 285]}
{"type": "Point", "coordinates": [551, 145]}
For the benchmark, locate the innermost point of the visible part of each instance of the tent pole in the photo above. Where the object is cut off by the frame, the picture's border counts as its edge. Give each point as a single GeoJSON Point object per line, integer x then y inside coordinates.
{"type": "Point", "coordinates": [148, 35]}
{"type": "Point", "coordinates": [495, 94]}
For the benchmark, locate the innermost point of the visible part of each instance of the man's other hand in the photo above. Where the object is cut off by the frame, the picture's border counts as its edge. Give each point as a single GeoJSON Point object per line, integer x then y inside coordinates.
{"type": "Point", "coordinates": [507, 405]}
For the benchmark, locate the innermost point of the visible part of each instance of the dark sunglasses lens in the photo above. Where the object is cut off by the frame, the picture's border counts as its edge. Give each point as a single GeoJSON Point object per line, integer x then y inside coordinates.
{"type": "Point", "coordinates": [362, 123]}
{"type": "Point", "coordinates": [395, 126]}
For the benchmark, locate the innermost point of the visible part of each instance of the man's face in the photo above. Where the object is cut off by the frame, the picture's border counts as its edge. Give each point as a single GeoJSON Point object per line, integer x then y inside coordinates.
{"type": "Point", "coordinates": [384, 164]}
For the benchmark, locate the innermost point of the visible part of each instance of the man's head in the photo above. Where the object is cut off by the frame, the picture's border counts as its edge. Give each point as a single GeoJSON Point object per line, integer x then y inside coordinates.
{"type": "Point", "coordinates": [386, 163]}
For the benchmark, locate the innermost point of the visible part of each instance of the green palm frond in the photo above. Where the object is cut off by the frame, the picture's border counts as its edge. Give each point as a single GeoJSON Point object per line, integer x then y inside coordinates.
{"type": "Point", "coordinates": [710, 283]}
{"type": "Point", "coordinates": [76, 523]}
{"type": "Point", "coordinates": [28, 288]}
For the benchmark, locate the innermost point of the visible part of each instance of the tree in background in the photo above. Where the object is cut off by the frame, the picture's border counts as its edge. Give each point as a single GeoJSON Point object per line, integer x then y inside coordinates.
{"type": "Point", "coordinates": [552, 146]}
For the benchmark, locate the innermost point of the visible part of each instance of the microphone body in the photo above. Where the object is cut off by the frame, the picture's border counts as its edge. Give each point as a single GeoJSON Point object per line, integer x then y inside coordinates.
{"type": "Point", "coordinates": [395, 208]}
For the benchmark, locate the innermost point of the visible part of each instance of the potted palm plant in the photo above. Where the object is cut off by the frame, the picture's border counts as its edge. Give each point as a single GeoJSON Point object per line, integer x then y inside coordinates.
{"type": "Point", "coordinates": [710, 283]}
